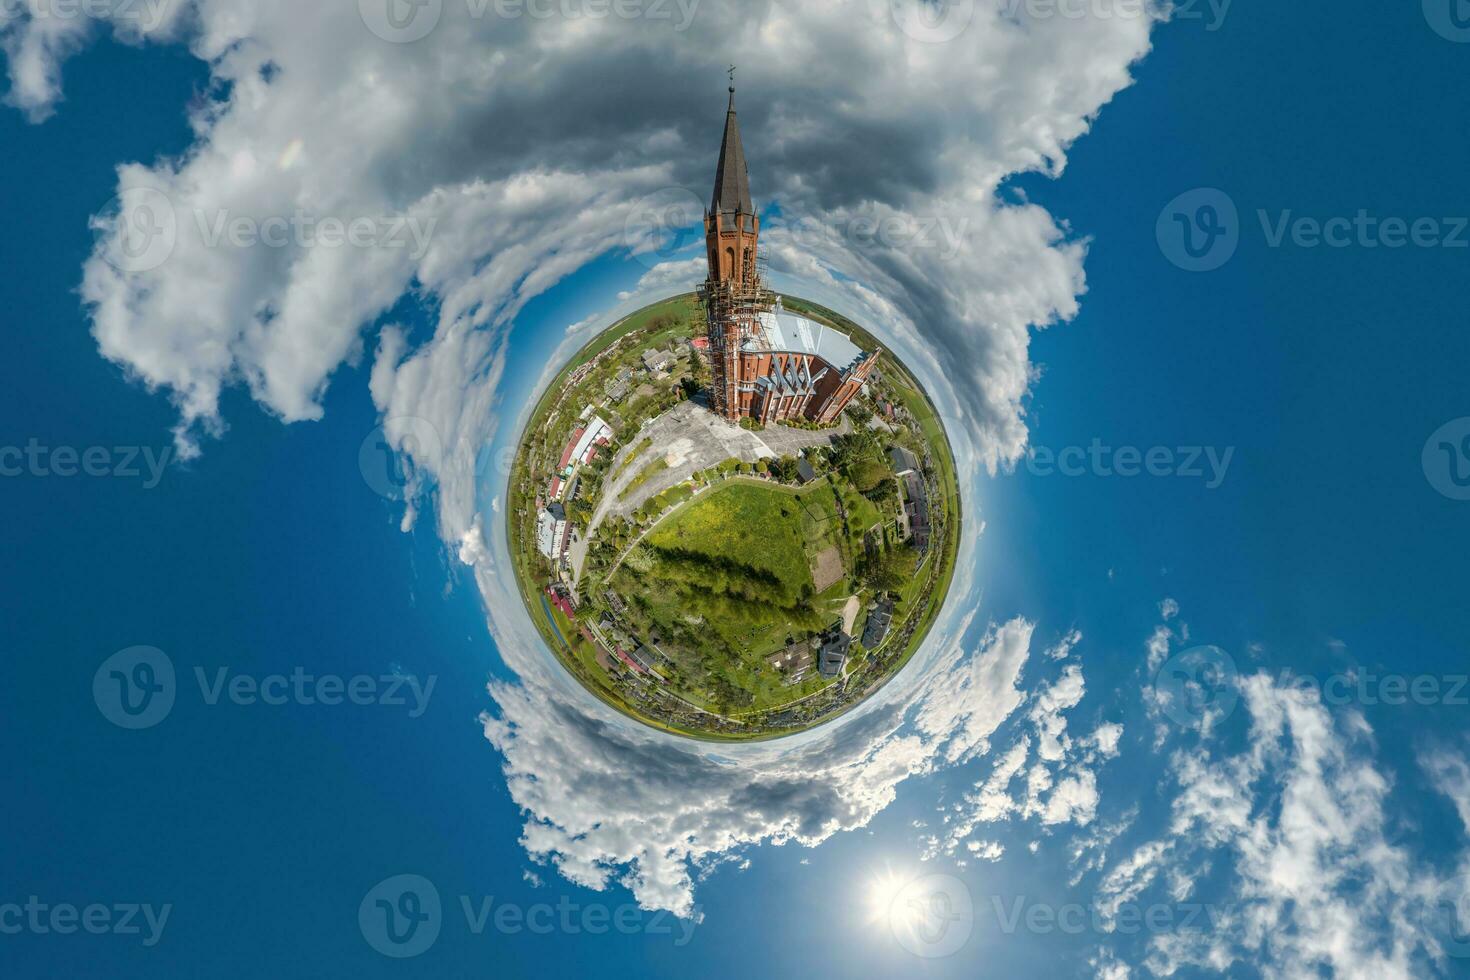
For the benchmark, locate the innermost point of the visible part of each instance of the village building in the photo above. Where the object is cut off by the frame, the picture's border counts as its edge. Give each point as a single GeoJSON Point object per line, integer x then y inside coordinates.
{"type": "Point", "coordinates": [552, 531]}
{"type": "Point", "coordinates": [834, 655]}
{"type": "Point", "coordinates": [903, 461]}
{"type": "Point", "coordinates": [582, 446]}
{"type": "Point", "coordinates": [876, 629]}
{"type": "Point", "coordinates": [657, 361]}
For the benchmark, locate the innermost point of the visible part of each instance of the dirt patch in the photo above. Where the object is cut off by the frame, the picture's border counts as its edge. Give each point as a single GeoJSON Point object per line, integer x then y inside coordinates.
{"type": "Point", "coordinates": [827, 569]}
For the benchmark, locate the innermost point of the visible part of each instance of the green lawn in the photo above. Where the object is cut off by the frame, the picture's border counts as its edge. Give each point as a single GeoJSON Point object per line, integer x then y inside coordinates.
{"type": "Point", "coordinates": [728, 580]}
{"type": "Point", "coordinates": [769, 528]}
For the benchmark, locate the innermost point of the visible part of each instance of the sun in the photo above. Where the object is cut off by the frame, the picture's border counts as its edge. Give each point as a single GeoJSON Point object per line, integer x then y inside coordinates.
{"type": "Point", "coordinates": [884, 891]}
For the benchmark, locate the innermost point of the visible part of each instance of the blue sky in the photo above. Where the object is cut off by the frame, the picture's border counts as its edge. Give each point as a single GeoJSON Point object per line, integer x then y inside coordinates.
{"type": "Point", "coordinates": [1325, 549]}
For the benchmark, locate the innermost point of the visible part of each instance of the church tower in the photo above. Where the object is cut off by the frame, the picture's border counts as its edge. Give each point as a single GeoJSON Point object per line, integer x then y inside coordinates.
{"type": "Point", "coordinates": [733, 293]}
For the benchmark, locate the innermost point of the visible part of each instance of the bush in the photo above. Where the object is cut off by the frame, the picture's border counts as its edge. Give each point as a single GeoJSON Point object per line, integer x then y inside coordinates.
{"type": "Point", "coordinates": [867, 474]}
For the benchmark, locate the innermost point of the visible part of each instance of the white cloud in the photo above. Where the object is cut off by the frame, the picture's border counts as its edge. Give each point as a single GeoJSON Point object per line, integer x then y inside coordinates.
{"type": "Point", "coordinates": [1451, 776]}
{"type": "Point", "coordinates": [1060, 785]}
{"type": "Point", "coordinates": [616, 802]}
{"type": "Point", "coordinates": [1319, 882]}
{"type": "Point", "coordinates": [524, 176]}
{"type": "Point", "coordinates": [1064, 646]}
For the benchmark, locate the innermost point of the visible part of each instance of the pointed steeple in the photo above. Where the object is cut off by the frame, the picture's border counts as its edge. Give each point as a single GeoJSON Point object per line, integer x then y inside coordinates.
{"type": "Point", "coordinates": [732, 180]}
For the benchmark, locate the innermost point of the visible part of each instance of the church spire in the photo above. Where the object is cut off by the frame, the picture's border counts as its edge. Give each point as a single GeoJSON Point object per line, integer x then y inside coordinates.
{"type": "Point", "coordinates": [732, 180]}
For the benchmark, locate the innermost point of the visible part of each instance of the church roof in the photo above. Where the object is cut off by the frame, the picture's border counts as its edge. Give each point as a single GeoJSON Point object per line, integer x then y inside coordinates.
{"type": "Point", "coordinates": [785, 331]}
{"type": "Point", "coordinates": [732, 179]}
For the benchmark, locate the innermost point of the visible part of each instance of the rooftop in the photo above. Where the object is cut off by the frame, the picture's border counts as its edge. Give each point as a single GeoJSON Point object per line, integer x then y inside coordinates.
{"type": "Point", "coordinates": [784, 331]}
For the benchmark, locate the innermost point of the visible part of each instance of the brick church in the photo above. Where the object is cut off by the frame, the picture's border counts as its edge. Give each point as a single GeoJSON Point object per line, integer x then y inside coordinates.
{"type": "Point", "coordinates": [770, 365]}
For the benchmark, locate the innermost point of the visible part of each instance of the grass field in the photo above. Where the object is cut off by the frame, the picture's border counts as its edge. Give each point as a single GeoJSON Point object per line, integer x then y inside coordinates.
{"type": "Point", "coordinates": [731, 576]}
{"type": "Point", "coordinates": [766, 527]}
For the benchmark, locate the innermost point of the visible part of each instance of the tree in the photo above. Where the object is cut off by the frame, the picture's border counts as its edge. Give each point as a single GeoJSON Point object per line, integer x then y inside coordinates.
{"type": "Point", "coordinates": [892, 569]}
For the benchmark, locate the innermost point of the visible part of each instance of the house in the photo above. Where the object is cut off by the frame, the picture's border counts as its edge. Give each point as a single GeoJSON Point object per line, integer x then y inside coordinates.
{"type": "Point", "coordinates": [557, 485]}
{"type": "Point", "coordinates": [902, 460]}
{"type": "Point", "coordinates": [834, 655]}
{"type": "Point", "coordinates": [565, 466]}
{"type": "Point", "coordinates": [916, 510]}
{"type": "Point", "coordinates": [632, 664]}
{"type": "Point", "coordinates": [552, 531]}
{"type": "Point", "coordinates": [562, 599]}
{"type": "Point", "coordinates": [794, 661]}
{"type": "Point", "coordinates": [655, 361]}
{"type": "Point", "coordinates": [699, 345]}
{"type": "Point", "coordinates": [641, 657]}
{"type": "Point", "coordinates": [582, 447]}
{"type": "Point", "coordinates": [879, 620]}
{"type": "Point", "coordinates": [804, 472]}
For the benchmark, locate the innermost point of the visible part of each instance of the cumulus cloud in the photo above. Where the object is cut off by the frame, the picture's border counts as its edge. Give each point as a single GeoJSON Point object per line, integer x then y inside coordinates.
{"type": "Point", "coordinates": [1045, 776]}
{"type": "Point", "coordinates": [506, 138]}
{"type": "Point", "coordinates": [612, 802]}
{"type": "Point", "coordinates": [1319, 882]}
